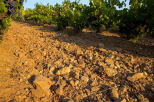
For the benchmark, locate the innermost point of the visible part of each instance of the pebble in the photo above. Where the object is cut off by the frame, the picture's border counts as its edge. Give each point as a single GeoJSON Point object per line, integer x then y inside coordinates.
{"type": "Point", "coordinates": [123, 100]}
{"type": "Point", "coordinates": [142, 98]}
{"type": "Point", "coordinates": [52, 70]}
{"type": "Point", "coordinates": [37, 93]}
{"type": "Point", "coordinates": [114, 93]}
{"type": "Point", "coordinates": [95, 89]}
{"type": "Point", "coordinates": [123, 90]}
{"type": "Point", "coordinates": [109, 61]}
{"type": "Point", "coordinates": [62, 83]}
{"type": "Point", "coordinates": [43, 84]}
{"type": "Point", "coordinates": [137, 76]}
{"type": "Point", "coordinates": [84, 79]}
{"type": "Point", "coordinates": [59, 91]}
{"type": "Point", "coordinates": [63, 71]}
{"type": "Point", "coordinates": [110, 72]}
{"type": "Point", "coordinates": [72, 83]}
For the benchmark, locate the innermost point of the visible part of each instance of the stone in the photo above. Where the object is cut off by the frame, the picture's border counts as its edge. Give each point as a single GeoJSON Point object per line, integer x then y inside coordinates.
{"type": "Point", "coordinates": [59, 91]}
{"type": "Point", "coordinates": [110, 72]}
{"type": "Point", "coordinates": [79, 52]}
{"type": "Point", "coordinates": [109, 61]}
{"type": "Point", "coordinates": [76, 82]}
{"type": "Point", "coordinates": [37, 93]}
{"type": "Point", "coordinates": [20, 97]}
{"type": "Point", "coordinates": [133, 60]}
{"type": "Point", "coordinates": [94, 82]}
{"type": "Point", "coordinates": [117, 64]}
{"type": "Point", "coordinates": [115, 93]}
{"type": "Point", "coordinates": [84, 79]}
{"type": "Point", "coordinates": [52, 70]}
{"type": "Point", "coordinates": [62, 83]}
{"type": "Point", "coordinates": [58, 62]}
{"type": "Point", "coordinates": [95, 89]}
{"type": "Point", "coordinates": [43, 84]}
{"type": "Point", "coordinates": [63, 71]}
{"type": "Point", "coordinates": [83, 95]}
{"type": "Point", "coordinates": [142, 98]}
{"type": "Point", "coordinates": [123, 100]}
{"type": "Point", "coordinates": [77, 98]}
{"type": "Point", "coordinates": [137, 76]}
{"type": "Point", "coordinates": [124, 90]}
{"type": "Point", "coordinates": [49, 65]}
{"type": "Point", "coordinates": [152, 89]}
{"type": "Point", "coordinates": [82, 65]}
{"type": "Point", "coordinates": [112, 83]}
{"type": "Point", "coordinates": [72, 83]}
{"type": "Point", "coordinates": [145, 100]}
{"type": "Point", "coordinates": [102, 64]}
{"type": "Point", "coordinates": [77, 75]}
{"type": "Point", "coordinates": [70, 100]}
{"type": "Point", "coordinates": [29, 63]}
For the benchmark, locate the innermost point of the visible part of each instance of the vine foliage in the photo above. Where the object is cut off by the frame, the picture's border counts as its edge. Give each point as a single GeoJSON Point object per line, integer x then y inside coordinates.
{"type": "Point", "coordinates": [8, 10]}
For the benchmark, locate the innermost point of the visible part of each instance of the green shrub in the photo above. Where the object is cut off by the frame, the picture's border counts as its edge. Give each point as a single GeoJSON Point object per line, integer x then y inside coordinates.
{"type": "Point", "coordinates": [102, 14]}
{"type": "Point", "coordinates": [4, 24]}
{"type": "Point", "coordinates": [62, 14]}
{"type": "Point", "coordinates": [138, 21]}
{"type": "Point", "coordinates": [3, 8]}
{"type": "Point", "coordinates": [6, 13]}
{"type": "Point", "coordinates": [78, 17]}
{"type": "Point", "coordinates": [42, 14]}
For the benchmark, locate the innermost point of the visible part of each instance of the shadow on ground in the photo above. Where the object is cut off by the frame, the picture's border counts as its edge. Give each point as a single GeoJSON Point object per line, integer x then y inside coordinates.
{"type": "Point", "coordinates": [106, 40]}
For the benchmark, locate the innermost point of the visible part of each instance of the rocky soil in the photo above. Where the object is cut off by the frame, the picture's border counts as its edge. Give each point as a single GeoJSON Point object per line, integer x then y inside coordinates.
{"type": "Point", "coordinates": [38, 64]}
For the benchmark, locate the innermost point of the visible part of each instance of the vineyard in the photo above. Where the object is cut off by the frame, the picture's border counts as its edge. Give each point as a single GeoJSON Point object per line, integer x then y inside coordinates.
{"type": "Point", "coordinates": [99, 15]}
{"type": "Point", "coordinates": [74, 52]}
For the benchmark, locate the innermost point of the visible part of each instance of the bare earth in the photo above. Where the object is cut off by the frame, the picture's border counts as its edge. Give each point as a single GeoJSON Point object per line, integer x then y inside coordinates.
{"type": "Point", "coordinates": [38, 64]}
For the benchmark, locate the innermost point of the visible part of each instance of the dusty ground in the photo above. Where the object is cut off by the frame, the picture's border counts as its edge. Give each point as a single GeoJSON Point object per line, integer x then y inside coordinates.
{"type": "Point", "coordinates": [88, 67]}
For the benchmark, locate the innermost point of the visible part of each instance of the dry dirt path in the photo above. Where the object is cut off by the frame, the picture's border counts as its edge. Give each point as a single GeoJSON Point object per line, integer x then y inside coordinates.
{"type": "Point", "coordinates": [38, 64]}
{"type": "Point", "coordinates": [6, 62]}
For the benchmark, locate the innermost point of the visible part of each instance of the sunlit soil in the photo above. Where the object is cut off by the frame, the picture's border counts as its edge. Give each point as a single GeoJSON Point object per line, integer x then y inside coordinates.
{"type": "Point", "coordinates": [86, 67]}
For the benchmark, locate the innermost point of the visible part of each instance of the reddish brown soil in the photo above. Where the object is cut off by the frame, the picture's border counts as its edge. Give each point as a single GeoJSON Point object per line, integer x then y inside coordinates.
{"type": "Point", "coordinates": [27, 49]}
